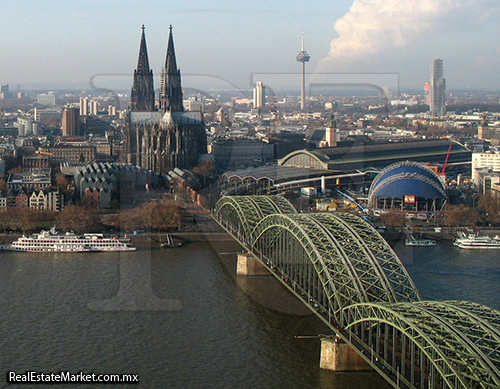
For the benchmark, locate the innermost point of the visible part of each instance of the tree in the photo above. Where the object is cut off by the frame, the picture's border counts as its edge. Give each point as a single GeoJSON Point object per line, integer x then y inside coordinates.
{"type": "Point", "coordinates": [78, 218]}
{"type": "Point", "coordinates": [490, 205]}
{"type": "Point", "coordinates": [26, 219]}
{"type": "Point", "coordinates": [460, 215]}
{"type": "Point", "coordinates": [206, 168]}
{"type": "Point", "coordinates": [62, 182]}
{"type": "Point", "coordinates": [155, 215]}
{"type": "Point", "coordinates": [393, 219]}
{"type": "Point", "coordinates": [11, 162]}
{"type": "Point", "coordinates": [17, 169]}
{"type": "Point", "coordinates": [51, 121]}
{"type": "Point", "coordinates": [3, 186]}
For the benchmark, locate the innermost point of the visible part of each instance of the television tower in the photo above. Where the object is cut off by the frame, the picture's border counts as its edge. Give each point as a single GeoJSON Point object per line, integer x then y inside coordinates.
{"type": "Point", "coordinates": [303, 57]}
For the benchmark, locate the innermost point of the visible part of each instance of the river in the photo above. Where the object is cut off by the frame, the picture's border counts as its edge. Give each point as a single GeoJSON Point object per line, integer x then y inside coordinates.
{"type": "Point", "coordinates": [180, 318]}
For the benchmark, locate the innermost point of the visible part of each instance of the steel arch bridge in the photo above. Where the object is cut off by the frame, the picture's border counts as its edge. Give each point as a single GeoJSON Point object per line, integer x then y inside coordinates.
{"type": "Point", "coordinates": [351, 278]}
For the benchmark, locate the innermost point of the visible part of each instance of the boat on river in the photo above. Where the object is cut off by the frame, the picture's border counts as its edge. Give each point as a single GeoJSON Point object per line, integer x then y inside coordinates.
{"type": "Point", "coordinates": [51, 241]}
{"type": "Point", "coordinates": [418, 242]}
{"type": "Point", "coordinates": [473, 241]}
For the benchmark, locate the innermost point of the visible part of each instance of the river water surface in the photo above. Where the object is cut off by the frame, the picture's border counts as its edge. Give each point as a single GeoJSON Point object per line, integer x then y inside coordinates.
{"type": "Point", "coordinates": [180, 318]}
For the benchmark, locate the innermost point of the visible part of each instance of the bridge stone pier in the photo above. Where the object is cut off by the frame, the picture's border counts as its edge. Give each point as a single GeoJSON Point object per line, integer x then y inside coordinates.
{"type": "Point", "coordinates": [337, 355]}
{"type": "Point", "coordinates": [248, 265]}
{"type": "Point", "coordinates": [345, 272]}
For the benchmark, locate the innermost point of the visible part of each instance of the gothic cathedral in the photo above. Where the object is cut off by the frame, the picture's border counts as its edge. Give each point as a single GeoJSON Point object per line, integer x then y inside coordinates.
{"type": "Point", "coordinates": [168, 137]}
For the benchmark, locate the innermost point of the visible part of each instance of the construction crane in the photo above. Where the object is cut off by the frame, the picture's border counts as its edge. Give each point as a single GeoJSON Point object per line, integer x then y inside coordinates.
{"type": "Point", "coordinates": [40, 152]}
{"type": "Point", "coordinates": [446, 160]}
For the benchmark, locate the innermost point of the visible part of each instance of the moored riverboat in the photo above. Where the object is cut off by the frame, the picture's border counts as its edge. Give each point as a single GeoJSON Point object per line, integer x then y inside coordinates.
{"type": "Point", "coordinates": [50, 241]}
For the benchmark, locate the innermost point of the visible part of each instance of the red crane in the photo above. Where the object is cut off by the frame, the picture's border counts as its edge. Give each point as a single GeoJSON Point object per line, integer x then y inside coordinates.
{"type": "Point", "coordinates": [446, 160]}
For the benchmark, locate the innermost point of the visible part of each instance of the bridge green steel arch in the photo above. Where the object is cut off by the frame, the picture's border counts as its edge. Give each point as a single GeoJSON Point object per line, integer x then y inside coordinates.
{"type": "Point", "coordinates": [241, 213]}
{"type": "Point", "coordinates": [394, 270]}
{"type": "Point", "coordinates": [352, 278]}
{"type": "Point", "coordinates": [307, 255]}
{"type": "Point", "coordinates": [332, 255]}
{"type": "Point", "coordinates": [455, 348]}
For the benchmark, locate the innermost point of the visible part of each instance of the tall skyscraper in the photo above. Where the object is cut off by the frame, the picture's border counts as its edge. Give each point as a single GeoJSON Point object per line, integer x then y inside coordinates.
{"type": "Point", "coordinates": [437, 89]}
{"type": "Point", "coordinates": [93, 107]}
{"type": "Point", "coordinates": [259, 99]}
{"type": "Point", "coordinates": [303, 57]}
{"type": "Point", "coordinates": [4, 91]}
{"type": "Point", "coordinates": [71, 121]}
{"type": "Point", "coordinates": [84, 106]}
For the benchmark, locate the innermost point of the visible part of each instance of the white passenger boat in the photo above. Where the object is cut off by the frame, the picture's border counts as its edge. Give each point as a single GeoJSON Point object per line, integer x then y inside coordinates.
{"type": "Point", "coordinates": [50, 241]}
{"type": "Point", "coordinates": [473, 241]}
{"type": "Point", "coordinates": [419, 242]}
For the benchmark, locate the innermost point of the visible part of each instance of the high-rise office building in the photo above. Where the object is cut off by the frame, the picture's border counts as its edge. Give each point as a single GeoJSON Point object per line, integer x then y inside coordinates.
{"type": "Point", "coordinates": [259, 98]}
{"type": "Point", "coordinates": [70, 121]}
{"type": "Point", "coordinates": [84, 106]}
{"type": "Point", "coordinates": [4, 91]}
{"type": "Point", "coordinates": [437, 89]}
{"type": "Point", "coordinates": [93, 107]}
{"type": "Point", "coordinates": [27, 126]}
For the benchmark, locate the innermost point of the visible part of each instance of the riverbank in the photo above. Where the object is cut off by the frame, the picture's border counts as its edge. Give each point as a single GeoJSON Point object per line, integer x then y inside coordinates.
{"type": "Point", "coordinates": [447, 233]}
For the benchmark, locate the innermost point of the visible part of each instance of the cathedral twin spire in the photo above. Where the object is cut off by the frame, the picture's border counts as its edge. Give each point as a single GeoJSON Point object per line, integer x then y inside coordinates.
{"type": "Point", "coordinates": [170, 81]}
{"type": "Point", "coordinates": [142, 96]}
{"type": "Point", "coordinates": [143, 62]}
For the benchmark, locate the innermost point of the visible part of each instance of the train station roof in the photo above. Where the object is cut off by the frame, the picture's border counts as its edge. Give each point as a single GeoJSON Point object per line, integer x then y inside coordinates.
{"type": "Point", "coordinates": [275, 173]}
{"type": "Point", "coordinates": [378, 155]}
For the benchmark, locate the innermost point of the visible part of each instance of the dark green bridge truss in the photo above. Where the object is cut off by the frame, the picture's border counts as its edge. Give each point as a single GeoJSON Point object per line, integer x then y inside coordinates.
{"type": "Point", "coordinates": [352, 279]}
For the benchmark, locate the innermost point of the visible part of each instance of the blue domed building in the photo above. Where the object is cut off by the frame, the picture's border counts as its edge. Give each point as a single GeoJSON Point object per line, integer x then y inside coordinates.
{"type": "Point", "coordinates": [407, 187]}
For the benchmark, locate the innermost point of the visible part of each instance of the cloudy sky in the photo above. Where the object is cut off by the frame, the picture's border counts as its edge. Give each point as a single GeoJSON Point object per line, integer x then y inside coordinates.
{"type": "Point", "coordinates": [227, 44]}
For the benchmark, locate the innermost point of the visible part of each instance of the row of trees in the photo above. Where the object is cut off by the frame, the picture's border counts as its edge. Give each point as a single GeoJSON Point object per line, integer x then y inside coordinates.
{"type": "Point", "coordinates": [486, 213]}
{"type": "Point", "coordinates": [155, 215]}
{"type": "Point", "coordinates": [26, 219]}
{"type": "Point", "coordinates": [72, 218]}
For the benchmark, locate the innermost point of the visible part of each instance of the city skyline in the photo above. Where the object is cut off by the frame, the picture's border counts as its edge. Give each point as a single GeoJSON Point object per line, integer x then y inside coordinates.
{"type": "Point", "coordinates": [222, 46]}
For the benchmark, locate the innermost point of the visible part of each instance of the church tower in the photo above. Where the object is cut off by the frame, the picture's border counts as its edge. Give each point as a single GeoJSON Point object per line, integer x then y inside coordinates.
{"type": "Point", "coordinates": [142, 97]}
{"type": "Point", "coordinates": [168, 138]}
{"type": "Point", "coordinates": [170, 81]}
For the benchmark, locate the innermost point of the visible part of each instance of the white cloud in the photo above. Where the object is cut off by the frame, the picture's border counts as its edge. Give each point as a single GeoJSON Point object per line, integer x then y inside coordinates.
{"type": "Point", "coordinates": [372, 27]}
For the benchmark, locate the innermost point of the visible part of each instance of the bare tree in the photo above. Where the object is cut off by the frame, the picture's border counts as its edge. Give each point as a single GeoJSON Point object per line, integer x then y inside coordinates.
{"type": "Point", "coordinates": [62, 182]}
{"type": "Point", "coordinates": [393, 219]}
{"type": "Point", "coordinates": [490, 205]}
{"type": "Point", "coordinates": [460, 215]}
{"type": "Point", "coordinates": [78, 219]}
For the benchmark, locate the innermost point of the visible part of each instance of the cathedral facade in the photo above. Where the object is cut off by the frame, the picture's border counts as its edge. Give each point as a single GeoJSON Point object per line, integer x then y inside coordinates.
{"type": "Point", "coordinates": [161, 139]}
